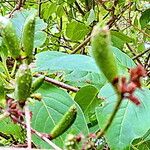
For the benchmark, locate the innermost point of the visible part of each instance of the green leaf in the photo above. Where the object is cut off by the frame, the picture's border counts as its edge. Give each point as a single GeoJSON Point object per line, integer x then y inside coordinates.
{"type": "Point", "coordinates": [87, 99]}
{"type": "Point", "coordinates": [18, 21]}
{"type": "Point", "coordinates": [70, 1]}
{"type": "Point", "coordinates": [2, 94]}
{"type": "Point", "coordinates": [52, 60]}
{"type": "Point", "coordinates": [60, 11]}
{"type": "Point", "coordinates": [144, 146]}
{"type": "Point", "coordinates": [9, 128]}
{"type": "Point", "coordinates": [119, 39]}
{"type": "Point", "coordinates": [49, 9]}
{"type": "Point", "coordinates": [117, 42]}
{"type": "Point", "coordinates": [76, 31]}
{"type": "Point", "coordinates": [123, 58]}
{"type": "Point", "coordinates": [129, 122]}
{"type": "Point", "coordinates": [121, 2]}
{"type": "Point", "coordinates": [145, 18]}
{"type": "Point", "coordinates": [122, 36]}
{"type": "Point", "coordinates": [141, 144]}
{"type": "Point", "coordinates": [3, 49]}
{"type": "Point", "coordinates": [40, 38]}
{"type": "Point", "coordinates": [48, 112]}
{"type": "Point", "coordinates": [83, 78]}
{"type": "Point", "coordinates": [91, 17]}
{"type": "Point", "coordinates": [58, 61]}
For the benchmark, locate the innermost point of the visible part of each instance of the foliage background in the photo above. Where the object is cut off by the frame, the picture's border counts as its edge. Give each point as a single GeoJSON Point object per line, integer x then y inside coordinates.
{"type": "Point", "coordinates": [63, 52]}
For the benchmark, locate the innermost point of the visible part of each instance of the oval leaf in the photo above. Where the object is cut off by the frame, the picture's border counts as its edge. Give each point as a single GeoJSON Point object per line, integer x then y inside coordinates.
{"type": "Point", "coordinates": [129, 122]}
{"type": "Point", "coordinates": [48, 112]}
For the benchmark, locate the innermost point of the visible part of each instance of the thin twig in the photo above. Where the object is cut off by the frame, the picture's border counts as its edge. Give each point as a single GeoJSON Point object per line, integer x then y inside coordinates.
{"type": "Point", "coordinates": [28, 126]}
{"type": "Point", "coordinates": [55, 147]}
{"type": "Point", "coordinates": [17, 7]}
{"type": "Point", "coordinates": [47, 140]}
{"type": "Point", "coordinates": [132, 51]}
{"type": "Point", "coordinates": [13, 69]}
{"type": "Point", "coordinates": [147, 62]}
{"type": "Point", "coordinates": [135, 27]}
{"type": "Point", "coordinates": [109, 23]}
{"type": "Point", "coordinates": [81, 45]}
{"type": "Point", "coordinates": [39, 8]}
{"type": "Point", "coordinates": [139, 55]}
{"type": "Point", "coordinates": [79, 8]}
{"type": "Point", "coordinates": [58, 83]}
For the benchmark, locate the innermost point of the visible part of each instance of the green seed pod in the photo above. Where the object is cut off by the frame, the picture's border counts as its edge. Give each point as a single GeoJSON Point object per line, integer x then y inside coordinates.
{"type": "Point", "coordinates": [28, 37]}
{"type": "Point", "coordinates": [10, 37]}
{"type": "Point", "coordinates": [37, 83]}
{"type": "Point", "coordinates": [101, 48]}
{"type": "Point", "coordinates": [65, 123]}
{"type": "Point", "coordinates": [23, 83]}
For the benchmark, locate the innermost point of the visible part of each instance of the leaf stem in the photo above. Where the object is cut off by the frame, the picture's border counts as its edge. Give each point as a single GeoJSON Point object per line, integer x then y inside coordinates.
{"type": "Point", "coordinates": [134, 147]}
{"type": "Point", "coordinates": [3, 77]}
{"type": "Point", "coordinates": [14, 68]}
{"type": "Point", "coordinates": [6, 69]}
{"type": "Point", "coordinates": [110, 120]}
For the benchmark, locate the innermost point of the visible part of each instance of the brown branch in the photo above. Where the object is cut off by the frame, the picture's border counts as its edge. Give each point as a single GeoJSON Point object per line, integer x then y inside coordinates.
{"type": "Point", "coordinates": [79, 8]}
{"type": "Point", "coordinates": [42, 136]}
{"type": "Point", "coordinates": [59, 84]}
{"type": "Point", "coordinates": [139, 55]}
{"type": "Point", "coordinates": [116, 18]}
{"type": "Point", "coordinates": [17, 7]}
{"type": "Point", "coordinates": [132, 51]}
{"type": "Point", "coordinates": [147, 61]}
{"type": "Point", "coordinates": [39, 8]}
{"type": "Point", "coordinates": [110, 23]}
{"type": "Point", "coordinates": [135, 27]}
{"type": "Point", "coordinates": [81, 45]}
{"type": "Point", "coordinates": [55, 147]}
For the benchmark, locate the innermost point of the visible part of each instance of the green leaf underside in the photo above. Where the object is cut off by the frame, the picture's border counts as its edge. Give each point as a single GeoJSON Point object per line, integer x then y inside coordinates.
{"type": "Point", "coordinates": [123, 58]}
{"type": "Point", "coordinates": [19, 20]}
{"type": "Point", "coordinates": [83, 78]}
{"type": "Point", "coordinates": [54, 61]}
{"type": "Point", "coordinates": [50, 110]}
{"type": "Point", "coordinates": [130, 122]}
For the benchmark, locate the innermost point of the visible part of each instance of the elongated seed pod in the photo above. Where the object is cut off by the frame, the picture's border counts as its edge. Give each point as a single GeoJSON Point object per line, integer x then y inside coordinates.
{"type": "Point", "coordinates": [64, 124]}
{"type": "Point", "coordinates": [103, 55]}
{"type": "Point", "coordinates": [28, 37]}
{"type": "Point", "coordinates": [23, 83]}
{"type": "Point", "coordinates": [37, 83]}
{"type": "Point", "coordinates": [10, 37]}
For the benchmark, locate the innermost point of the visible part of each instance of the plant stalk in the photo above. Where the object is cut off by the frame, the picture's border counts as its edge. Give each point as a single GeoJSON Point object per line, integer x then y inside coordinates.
{"type": "Point", "coordinates": [110, 120]}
